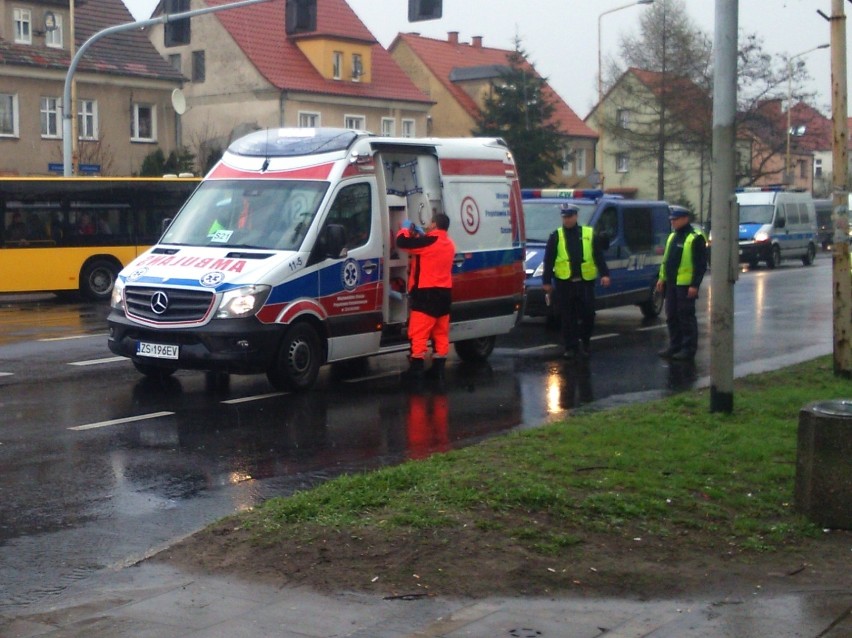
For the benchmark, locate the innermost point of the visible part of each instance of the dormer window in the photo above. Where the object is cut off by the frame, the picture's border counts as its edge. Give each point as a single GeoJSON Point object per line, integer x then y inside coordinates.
{"type": "Point", "coordinates": [337, 65]}
{"type": "Point", "coordinates": [23, 26]}
{"type": "Point", "coordinates": [53, 30]}
{"type": "Point", "coordinates": [357, 67]}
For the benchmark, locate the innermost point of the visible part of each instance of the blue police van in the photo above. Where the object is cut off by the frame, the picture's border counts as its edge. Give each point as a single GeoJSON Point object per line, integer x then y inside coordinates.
{"type": "Point", "coordinates": [636, 233]}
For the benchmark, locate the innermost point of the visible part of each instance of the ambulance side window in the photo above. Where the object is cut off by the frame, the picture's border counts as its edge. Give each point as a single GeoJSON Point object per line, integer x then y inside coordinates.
{"type": "Point", "coordinates": [352, 209]}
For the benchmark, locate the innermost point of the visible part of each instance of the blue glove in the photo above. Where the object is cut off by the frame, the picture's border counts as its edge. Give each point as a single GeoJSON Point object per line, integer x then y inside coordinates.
{"type": "Point", "coordinates": [407, 224]}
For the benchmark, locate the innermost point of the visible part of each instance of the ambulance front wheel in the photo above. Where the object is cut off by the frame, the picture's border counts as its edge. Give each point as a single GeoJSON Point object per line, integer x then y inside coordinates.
{"type": "Point", "coordinates": [475, 349]}
{"type": "Point", "coordinates": [299, 359]}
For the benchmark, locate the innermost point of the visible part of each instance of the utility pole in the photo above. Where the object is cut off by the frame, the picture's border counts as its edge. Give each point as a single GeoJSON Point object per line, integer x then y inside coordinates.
{"type": "Point", "coordinates": [841, 274]}
{"type": "Point", "coordinates": [724, 210]}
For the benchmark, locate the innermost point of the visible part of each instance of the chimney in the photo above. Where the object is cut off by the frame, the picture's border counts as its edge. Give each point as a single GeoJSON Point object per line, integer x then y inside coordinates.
{"type": "Point", "coordinates": [453, 37]}
{"type": "Point", "coordinates": [477, 41]}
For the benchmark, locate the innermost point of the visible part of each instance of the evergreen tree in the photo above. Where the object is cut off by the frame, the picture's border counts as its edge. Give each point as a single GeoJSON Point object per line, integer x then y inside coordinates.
{"type": "Point", "coordinates": [520, 110]}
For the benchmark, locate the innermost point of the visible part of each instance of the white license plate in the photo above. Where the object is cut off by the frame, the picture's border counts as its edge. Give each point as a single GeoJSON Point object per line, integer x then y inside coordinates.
{"type": "Point", "coordinates": [157, 350]}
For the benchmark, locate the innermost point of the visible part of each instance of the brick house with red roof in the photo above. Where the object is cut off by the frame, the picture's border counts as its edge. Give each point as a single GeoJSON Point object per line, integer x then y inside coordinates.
{"type": "Point", "coordinates": [246, 73]}
{"type": "Point", "coordinates": [123, 89]}
{"type": "Point", "coordinates": [458, 76]}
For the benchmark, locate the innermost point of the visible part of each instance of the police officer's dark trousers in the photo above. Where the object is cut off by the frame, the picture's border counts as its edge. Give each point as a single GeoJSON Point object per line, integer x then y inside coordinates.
{"type": "Point", "coordinates": [576, 302]}
{"type": "Point", "coordinates": [681, 321]}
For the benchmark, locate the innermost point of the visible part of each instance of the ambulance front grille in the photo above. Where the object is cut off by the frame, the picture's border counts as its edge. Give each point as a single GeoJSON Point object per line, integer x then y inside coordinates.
{"type": "Point", "coordinates": [168, 305]}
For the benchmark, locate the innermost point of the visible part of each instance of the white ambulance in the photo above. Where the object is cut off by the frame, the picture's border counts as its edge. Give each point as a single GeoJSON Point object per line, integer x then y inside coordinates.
{"type": "Point", "coordinates": [284, 259]}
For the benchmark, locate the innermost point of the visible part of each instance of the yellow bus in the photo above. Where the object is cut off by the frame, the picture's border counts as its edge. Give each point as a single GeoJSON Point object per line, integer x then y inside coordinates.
{"type": "Point", "coordinates": [75, 234]}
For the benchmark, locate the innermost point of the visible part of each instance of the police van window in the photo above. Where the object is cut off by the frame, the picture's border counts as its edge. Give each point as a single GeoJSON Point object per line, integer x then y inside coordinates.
{"type": "Point", "coordinates": [792, 213]}
{"type": "Point", "coordinates": [352, 209]}
{"type": "Point", "coordinates": [780, 217]}
{"type": "Point", "coordinates": [607, 225]}
{"type": "Point", "coordinates": [638, 229]}
{"type": "Point", "coordinates": [804, 214]}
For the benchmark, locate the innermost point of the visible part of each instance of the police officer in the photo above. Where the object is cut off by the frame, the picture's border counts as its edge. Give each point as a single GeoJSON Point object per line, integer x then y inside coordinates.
{"type": "Point", "coordinates": [430, 284]}
{"type": "Point", "coordinates": [573, 259]}
{"type": "Point", "coordinates": [683, 268]}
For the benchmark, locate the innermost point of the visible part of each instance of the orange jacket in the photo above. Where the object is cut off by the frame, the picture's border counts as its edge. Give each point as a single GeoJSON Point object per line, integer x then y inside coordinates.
{"type": "Point", "coordinates": [432, 258]}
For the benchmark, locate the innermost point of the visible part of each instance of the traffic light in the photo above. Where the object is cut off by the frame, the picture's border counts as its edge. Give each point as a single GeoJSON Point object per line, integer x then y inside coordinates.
{"type": "Point", "coordinates": [300, 16]}
{"type": "Point", "coordinates": [423, 10]}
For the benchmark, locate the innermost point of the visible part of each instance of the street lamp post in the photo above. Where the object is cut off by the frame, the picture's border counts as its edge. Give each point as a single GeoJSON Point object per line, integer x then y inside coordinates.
{"type": "Point", "coordinates": [599, 155]}
{"type": "Point", "coordinates": [787, 177]}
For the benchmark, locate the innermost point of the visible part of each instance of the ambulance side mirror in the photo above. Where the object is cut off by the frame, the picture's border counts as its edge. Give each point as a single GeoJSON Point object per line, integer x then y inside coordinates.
{"type": "Point", "coordinates": [335, 241]}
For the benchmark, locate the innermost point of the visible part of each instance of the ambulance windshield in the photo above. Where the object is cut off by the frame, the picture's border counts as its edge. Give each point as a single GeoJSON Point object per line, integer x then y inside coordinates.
{"type": "Point", "coordinates": [264, 214]}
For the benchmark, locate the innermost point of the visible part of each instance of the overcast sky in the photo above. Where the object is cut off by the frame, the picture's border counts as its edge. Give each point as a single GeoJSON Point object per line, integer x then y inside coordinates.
{"type": "Point", "coordinates": [561, 36]}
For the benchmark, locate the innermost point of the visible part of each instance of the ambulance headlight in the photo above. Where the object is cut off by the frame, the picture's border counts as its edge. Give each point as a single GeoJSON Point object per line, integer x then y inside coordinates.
{"type": "Point", "coordinates": [117, 299]}
{"type": "Point", "coordinates": [242, 302]}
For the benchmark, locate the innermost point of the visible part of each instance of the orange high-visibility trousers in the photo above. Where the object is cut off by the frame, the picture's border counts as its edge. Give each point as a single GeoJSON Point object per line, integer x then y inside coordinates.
{"type": "Point", "coordinates": [422, 327]}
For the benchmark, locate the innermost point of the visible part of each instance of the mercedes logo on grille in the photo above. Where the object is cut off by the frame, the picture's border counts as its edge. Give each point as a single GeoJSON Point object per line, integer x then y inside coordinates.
{"type": "Point", "coordinates": [159, 302]}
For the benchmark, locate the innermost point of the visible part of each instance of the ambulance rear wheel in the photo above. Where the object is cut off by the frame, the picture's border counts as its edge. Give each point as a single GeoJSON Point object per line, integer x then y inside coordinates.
{"type": "Point", "coordinates": [97, 279]}
{"type": "Point", "coordinates": [299, 359]}
{"type": "Point", "coordinates": [475, 349]}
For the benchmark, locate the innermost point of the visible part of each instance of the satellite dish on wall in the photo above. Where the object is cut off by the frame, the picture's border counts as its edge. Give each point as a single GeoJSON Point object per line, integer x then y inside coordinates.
{"type": "Point", "coordinates": [178, 102]}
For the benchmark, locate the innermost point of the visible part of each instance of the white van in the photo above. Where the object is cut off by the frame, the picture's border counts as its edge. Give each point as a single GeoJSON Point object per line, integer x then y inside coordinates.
{"type": "Point", "coordinates": [776, 224]}
{"type": "Point", "coordinates": [284, 259]}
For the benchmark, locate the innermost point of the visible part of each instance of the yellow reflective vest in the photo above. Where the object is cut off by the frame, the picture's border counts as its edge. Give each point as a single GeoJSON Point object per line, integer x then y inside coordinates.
{"type": "Point", "coordinates": [562, 264]}
{"type": "Point", "coordinates": [684, 269]}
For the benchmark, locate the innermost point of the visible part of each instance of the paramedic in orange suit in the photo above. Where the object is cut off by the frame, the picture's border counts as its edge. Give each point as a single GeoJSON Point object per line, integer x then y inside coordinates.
{"type": "Point", "coordinates": [430, 283]}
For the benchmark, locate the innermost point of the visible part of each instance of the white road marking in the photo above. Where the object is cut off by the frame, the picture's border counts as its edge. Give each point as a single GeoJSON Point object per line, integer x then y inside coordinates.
{"type": "Point", "coordinates": [6, 374]}
{"type": "Point", "coordinates": [606, 335]}
{"type": "Point", "coordinates": [95, 362]}
{"type": "Point", "coordinates": [129, 419]}
{"type": "Point", "coordinates": [646, 328]}
{"type": "Point", "coordinates": [256, 397]}
{"type": "Point", "coordinates": [72, 337]}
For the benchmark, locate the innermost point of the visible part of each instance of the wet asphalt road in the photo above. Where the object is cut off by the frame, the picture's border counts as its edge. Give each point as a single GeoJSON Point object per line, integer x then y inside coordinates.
{"type": "Point", "coordinates": [99, 467]}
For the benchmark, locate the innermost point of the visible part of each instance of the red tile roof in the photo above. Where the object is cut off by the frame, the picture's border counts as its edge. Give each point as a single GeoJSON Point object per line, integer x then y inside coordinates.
{"type": "Point", "coordinates": [259, 31]}
{"type": "Point", "coordinates": [442, 56]}
{"type": "Point", "coordinates": [127, 53]}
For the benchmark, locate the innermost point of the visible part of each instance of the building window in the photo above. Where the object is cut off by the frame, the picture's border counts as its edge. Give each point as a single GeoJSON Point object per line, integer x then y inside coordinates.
{"type": "Point", "coordinates": [53, 38]}
{"type": "Point", "coordinates": [50, 116]}
{"type": "Point", "coordinates": [408, 128]}
{"type": "Point", "coordinates": [23, 26]}
{"type": "Point", "coordinates": [176, 32]}
{"type": "Point", "coordinates": [803, 172]}
{"type": "Point", "coordinates": [817, 167]}
{"type": "Point", "coordinates": [354, 121]}
{"type": "Point", "coordinates": [144, 125]}
{"type": "Point", "coordinates": [309, 120]}
{"type": "Point", "coordinates": [337, 65]}
{"type": "Point", "coordinates": [87, 120]}
{"type": "Point", "coordinates": [622, 163]}
{"type": "Point", "coordinates": [567, 162]}
{"type": "Point", "coordinates": [8, 115]}
{"type": "Point", "coordinates": [198, 71]}
{"type": "Point", "coordinates": [622, 118]}
{"type": "Point", "coordinates": [580, 161]}
{"type": "Point", "coordinates": [388, 126]}
{"type": "Point", "coordinates": [357, 67]}
{"type": "Point", "coordinates": [175, 61]}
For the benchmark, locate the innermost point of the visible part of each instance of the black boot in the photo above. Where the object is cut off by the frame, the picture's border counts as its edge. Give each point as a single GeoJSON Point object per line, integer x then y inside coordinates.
{"type": "Point", "coordinates": [413, 377]}
{"type": "Point", "coordinates": [436, 372]}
